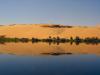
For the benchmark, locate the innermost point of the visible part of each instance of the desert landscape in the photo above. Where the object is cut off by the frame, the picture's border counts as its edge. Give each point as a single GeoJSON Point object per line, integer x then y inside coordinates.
{"type": "Point", "coordinates": [49, 37]}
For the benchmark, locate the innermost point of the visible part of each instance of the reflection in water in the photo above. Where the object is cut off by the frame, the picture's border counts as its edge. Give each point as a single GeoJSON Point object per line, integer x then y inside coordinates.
{"type": "Point", "coordinates": [50, 65]}
{"type": "Point", "coordinates": [34, 61]}
{"type": "Point", "coordinates": [56, 53]}
{"type": "Point", "coordinates": [46, 49]}
{"type": "Point", "coordinates": [71, 43]}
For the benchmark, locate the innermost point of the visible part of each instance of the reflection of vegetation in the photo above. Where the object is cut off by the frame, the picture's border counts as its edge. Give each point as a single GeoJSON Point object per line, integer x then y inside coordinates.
{"type": "Point", "coordinates": [57, 40]}
{"type": "Point", "coordinates": [56, 53]}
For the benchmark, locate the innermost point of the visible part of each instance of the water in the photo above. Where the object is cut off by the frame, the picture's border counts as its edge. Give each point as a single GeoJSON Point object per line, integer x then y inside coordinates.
{"type": "Point", "coordinates": [45, 59]}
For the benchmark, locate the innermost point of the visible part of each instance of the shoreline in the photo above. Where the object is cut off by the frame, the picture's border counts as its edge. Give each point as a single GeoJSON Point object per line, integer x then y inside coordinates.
{"type": "Point", "coordinates": [50, 40]}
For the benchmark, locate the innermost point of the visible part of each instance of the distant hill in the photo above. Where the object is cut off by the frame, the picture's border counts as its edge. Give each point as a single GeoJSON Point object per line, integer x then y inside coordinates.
{"type": "Point", "coordinates": [1, 25]}
{"type": "Point", "coordinates": [98, 25]}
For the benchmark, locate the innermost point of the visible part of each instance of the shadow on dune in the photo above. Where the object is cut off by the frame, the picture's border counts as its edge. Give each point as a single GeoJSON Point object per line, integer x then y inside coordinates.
{"type": "Point", "coordinates": [57, 26]}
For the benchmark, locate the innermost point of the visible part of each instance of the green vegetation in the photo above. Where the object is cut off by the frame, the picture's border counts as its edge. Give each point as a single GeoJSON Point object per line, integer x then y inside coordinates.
{"type": "Point", "coordinates": [77, 40]}
{"type": "Point", "coordinates": [14, 39]}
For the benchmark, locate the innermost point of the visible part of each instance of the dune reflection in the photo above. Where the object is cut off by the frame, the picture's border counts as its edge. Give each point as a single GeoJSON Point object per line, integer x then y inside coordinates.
{"type": "Point", "coordinates": [46, 49]}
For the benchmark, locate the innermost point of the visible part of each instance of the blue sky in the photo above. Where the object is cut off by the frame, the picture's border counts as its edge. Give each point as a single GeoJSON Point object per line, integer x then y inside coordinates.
{"type": "Point", "coordinates": [72, 12]}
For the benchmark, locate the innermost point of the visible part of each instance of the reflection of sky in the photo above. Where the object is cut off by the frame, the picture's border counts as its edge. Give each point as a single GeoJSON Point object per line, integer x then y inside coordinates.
{"type": "Point", "coordinates": [50, 65]}
{"type": "Point", "coordinates": [84, 12]}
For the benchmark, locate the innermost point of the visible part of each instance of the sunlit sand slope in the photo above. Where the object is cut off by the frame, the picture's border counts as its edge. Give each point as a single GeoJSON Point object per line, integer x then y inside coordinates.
{"type": "Point", "coordinates": [39, 31]}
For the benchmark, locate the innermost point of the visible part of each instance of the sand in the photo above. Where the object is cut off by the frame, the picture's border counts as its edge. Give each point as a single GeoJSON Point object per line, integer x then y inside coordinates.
{"type": "Point", "coordinates": [37, 31]}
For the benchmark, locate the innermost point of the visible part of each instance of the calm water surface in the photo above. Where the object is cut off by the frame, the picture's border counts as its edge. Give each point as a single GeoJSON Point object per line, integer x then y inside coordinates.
{"type": "Point", "coordinates": [45, 59]}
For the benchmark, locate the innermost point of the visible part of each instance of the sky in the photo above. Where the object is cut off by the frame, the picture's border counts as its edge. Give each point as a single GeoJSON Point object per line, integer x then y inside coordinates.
{"type": "Point", "coordinates": [67, 12]}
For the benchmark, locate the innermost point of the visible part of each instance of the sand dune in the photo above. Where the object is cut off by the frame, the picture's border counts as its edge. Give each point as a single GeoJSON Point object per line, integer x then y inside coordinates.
{"type": "Point", "coordinates": [38, 31]}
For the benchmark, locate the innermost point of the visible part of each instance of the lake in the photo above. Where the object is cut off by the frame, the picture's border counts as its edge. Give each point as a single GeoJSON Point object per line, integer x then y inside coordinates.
{"type": "Point", "coordinates": [49, 59]}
